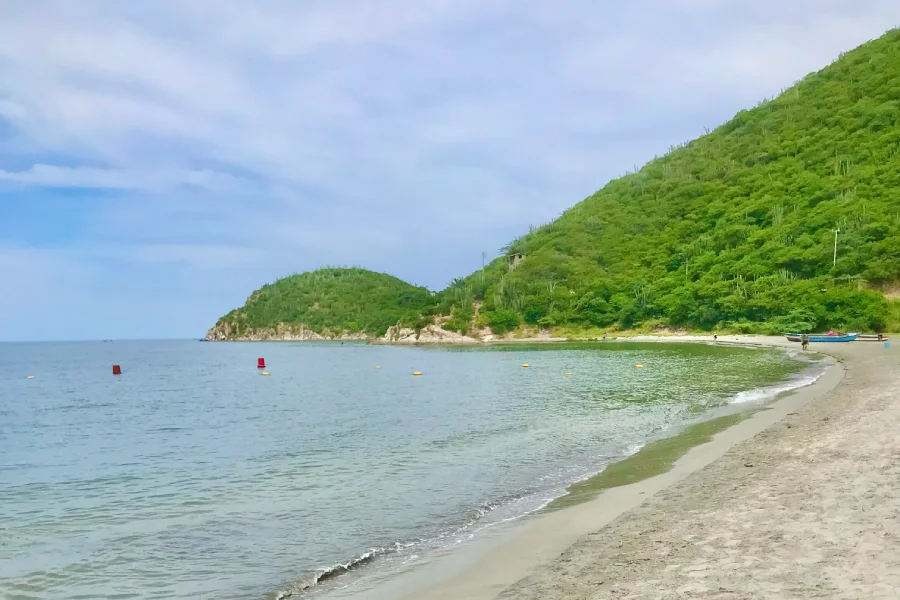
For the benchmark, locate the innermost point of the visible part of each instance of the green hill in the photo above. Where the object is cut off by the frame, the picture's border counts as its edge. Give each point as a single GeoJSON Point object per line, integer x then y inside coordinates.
{"type": "Point", "coordinates": [329, 302]}
{"type": "Point", "coordinates": [733, 229]}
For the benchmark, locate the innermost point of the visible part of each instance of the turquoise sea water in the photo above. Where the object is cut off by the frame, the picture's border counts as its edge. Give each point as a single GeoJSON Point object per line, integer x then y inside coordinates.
{"type": "Point", "coordinates": [191, 475]}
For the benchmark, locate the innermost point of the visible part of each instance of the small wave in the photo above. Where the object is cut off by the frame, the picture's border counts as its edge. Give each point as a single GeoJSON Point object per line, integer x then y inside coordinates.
{"type": "Point", "coordinates": [462, 531]}
{"type": "Point", "coordinates": [313, 579]}
{"type": "Point", "coordinates": [766, 393]}
{"type": "Point", "coordinates": [479, 513]}
{"type": "Point", "coordinates": [304, 584]}
{"type": "Point", "coordinates": [634, 448]}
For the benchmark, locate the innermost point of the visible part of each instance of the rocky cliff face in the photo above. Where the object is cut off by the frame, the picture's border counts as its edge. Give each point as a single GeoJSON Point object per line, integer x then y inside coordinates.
{"type": "Point", "coordinates": [431, 334]}
{"type": "Point", "coordinates": [224, 332]}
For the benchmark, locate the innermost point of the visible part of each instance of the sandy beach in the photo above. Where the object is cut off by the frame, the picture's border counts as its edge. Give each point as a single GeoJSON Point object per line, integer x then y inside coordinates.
{"type": "Point", "coordinates": [808, 508]}
{"type": "Point", "coordinates": [798, 501]}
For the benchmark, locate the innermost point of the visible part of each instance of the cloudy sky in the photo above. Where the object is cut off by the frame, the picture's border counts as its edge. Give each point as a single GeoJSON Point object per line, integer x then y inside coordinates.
{"type": "Point", "coordinates": [160, 159]}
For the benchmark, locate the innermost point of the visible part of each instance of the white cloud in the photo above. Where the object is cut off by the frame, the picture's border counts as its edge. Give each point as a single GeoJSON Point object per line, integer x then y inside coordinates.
{"type": "Point", "coordinates": [109, 179]}
{"type": "Point", "coordinates": [305, 94]}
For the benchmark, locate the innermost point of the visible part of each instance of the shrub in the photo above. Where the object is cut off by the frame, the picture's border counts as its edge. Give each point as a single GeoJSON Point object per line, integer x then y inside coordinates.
{"type": "Point", "coordinates": [503, 320]}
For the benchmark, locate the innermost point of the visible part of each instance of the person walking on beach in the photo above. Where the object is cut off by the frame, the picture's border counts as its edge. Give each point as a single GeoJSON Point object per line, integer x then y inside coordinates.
{"type": "Point", "coordinates": [804, 341]}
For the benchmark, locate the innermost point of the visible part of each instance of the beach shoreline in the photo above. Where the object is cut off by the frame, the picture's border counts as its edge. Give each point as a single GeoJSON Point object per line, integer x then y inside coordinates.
{"type": "Point", "coordinates": [801, 505]}
{"type": "Point", "coordinates": [557, 554]}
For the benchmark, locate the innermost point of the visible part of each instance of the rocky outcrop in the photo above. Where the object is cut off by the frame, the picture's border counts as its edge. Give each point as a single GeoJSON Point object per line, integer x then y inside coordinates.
{"type": "Point", "coordinates": [233, 329]}
{"type": "Point", "coordinates": [431, 334]}
{"type": "Point", "coordinates": [220, 332]}
{"type": "Point", "coordinates": [225, 332]}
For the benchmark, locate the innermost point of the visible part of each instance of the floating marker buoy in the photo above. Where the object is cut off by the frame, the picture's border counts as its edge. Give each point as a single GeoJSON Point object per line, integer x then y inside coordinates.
{"type": "Point", "coordinates": [266, 373]}
{"type": "Point", "coordinates": [416, 373]}
{"type": "Point", "coordinates": [568, 373]}
{"type": "Point", "coordinates": [638, 366]}
{"type": "Point", "coordinates": [117, 370]}
{"type": "Point", "coordinates": [260, 363]}
{"type": "Point", "coordinates": [377, 366]}
{"type": "Point", "coordinates": [31, 377]}
{"type": "Point", "coordinates": [525, 366]}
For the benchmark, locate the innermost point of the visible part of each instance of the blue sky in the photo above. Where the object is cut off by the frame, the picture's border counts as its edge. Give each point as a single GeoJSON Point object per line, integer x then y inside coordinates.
{"type": "Point", "coordinates": [159, 160]}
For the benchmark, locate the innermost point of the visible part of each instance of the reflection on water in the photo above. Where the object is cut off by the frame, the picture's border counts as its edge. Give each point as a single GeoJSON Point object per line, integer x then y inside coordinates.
{"type": "Point", "coordinates": [192, 476]}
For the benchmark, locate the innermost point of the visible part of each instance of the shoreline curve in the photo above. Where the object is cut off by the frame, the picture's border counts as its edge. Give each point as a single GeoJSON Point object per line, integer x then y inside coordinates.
{"type": "Point", "coordinates": [805, 507]}
{"type": "Point", "coordinates": [529, 554]}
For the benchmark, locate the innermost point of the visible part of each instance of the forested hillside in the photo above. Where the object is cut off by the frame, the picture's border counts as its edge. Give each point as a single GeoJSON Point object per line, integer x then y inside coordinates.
{"type": "Point", "coordinates": [330, 301]}
{"type": "Point", "coordinates": [736, 228]}
{"type": "Point", "coordinates": [733, 230]}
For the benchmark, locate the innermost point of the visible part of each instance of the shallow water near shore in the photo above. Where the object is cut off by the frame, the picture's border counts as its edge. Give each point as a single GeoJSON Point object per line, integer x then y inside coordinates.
{"type": "Point", "coordinates": [192, 476]}
{"type": "Point", "coordinates": [652, 459]}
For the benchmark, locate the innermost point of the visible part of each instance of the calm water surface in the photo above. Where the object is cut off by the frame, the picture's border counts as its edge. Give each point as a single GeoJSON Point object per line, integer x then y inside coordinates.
{"type": "Point", "coordinates": [193, 476]}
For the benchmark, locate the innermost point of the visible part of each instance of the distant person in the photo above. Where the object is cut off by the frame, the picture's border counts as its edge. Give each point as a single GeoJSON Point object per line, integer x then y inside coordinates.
{"type": "Point", "coordinates": [804, 341]}
{"type": "Point", "coordinates": [715, 337]}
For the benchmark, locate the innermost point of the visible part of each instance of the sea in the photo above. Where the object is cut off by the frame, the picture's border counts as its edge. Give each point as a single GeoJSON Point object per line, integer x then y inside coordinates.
{"type": "Point", "coordinates": [195, 474]}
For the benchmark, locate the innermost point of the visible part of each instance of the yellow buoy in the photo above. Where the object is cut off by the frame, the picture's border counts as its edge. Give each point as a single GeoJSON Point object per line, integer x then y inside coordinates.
{"type": "Point", "coordinates": [266, 373]}
{"type": "Point", "coordinates": [525, 366]}
{"type": "Point", "coordinates": [416, 373]}
{"type": "Point", "coordinates": [639, 366]}
{"type": "Point", "coordinates": [568, 373]}
{"type": "Point", "coordinates": [31, 377]}
{"type": "Point", "coordinates": [377, 366]}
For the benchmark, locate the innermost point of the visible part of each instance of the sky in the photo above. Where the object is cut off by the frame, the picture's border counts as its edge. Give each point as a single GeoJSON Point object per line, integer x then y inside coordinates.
{"type": "Point", "coordinates": [160, 160]}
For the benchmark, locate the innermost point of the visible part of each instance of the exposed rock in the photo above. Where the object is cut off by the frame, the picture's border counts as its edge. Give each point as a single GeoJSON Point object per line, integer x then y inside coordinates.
{"type": "Point", "coordinates": [221, 331]}
{"type": "Point", "coordinates": [431, 334]}
{"type": "Point", "coordinates": [224, 332]}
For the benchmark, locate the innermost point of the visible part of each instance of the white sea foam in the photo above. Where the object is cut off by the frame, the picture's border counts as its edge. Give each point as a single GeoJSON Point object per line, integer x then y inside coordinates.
{"type": "Point", "coordinates": [767, 393]}
{"type": "Point", "coordinates": [634, 448]}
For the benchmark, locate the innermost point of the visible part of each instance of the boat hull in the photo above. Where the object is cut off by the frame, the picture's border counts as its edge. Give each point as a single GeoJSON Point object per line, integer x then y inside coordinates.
{"type": "Point", "coordinates": [796, 337]}
{"type": "Point", "coordinates": [834, 338]}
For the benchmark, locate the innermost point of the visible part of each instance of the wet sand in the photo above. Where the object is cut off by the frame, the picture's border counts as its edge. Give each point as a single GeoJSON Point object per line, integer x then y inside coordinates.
{"type": "Point", "coordinates": [798, 501]}
{"type": "Point", "coordinates": [808, 508]}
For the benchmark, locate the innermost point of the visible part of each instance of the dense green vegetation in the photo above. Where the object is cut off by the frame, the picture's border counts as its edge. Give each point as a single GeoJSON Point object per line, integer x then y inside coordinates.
{"type": "Point", "coordinates": [335, 300]}
{"type": "Point", "coordinates": [735, 229]}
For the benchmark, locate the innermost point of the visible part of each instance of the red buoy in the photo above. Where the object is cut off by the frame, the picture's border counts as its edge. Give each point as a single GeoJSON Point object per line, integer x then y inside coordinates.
{"type": "Point", "coordinates": [117, 370]}
{"type": "Point", "coordinates": [260, 363]}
